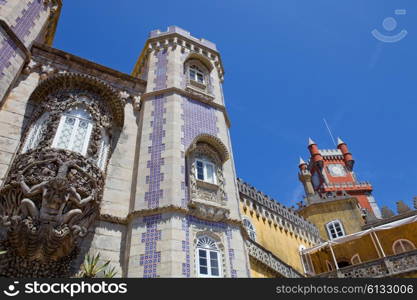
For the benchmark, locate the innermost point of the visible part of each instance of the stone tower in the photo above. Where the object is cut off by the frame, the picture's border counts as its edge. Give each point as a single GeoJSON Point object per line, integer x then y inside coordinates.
{"type": "Point", "coordinates": [186, 191]}
{"type": "Point", "coordinates": [141, 165]}
{"type": "Point", "coordinates": [22, 23]}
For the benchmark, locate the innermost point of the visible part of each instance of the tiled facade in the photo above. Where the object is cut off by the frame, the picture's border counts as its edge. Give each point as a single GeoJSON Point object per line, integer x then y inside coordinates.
{"type": "Point", "coordinates": [148, 224]}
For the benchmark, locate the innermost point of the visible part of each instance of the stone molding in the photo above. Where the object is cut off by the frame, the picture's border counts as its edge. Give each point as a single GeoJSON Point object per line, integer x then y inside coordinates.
{"type": "Point", "coordinates": [173, 40]}
{"type": "Point", "coordinates": [84, 82]}
{"type": "Point", "coordinates": [270, 260]}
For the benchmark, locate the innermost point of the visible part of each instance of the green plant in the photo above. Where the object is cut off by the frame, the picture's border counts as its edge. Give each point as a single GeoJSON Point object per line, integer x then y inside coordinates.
{"type": "Point", "coordinates": [2, 252]}
{"type": "Point", "coordinates": [91, 268]}
{"type": "Point", "coordinates": [110, 273]}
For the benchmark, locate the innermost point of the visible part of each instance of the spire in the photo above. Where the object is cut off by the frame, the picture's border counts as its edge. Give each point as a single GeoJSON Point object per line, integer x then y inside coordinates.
{"type": "Point", "coordinates": [311, 142]}
{"type": "Point", "coordinates": [339, 141]}
{"type": "Point", "coordinates": [302, 162]}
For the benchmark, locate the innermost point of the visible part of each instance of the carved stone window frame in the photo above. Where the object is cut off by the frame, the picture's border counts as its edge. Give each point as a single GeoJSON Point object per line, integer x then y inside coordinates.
{"type": "Point", "coordinates": [201, 190]}
{"type": "Point", "coordinates": [57, 106]}
{"type": "Point", "coordinates": [216, 237]}
{"type": "Point", "coordinates": [205, 68]}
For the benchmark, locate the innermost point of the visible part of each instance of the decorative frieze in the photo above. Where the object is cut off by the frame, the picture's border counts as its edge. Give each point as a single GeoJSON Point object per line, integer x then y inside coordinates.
{"type": "Point", "coordinates": [267, 258]}
{"type": "Point", "coordinates": [269, 209]}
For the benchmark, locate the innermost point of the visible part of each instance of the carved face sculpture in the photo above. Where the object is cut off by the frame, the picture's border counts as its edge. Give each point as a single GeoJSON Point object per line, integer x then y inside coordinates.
{"type": "Point", "coordinates": [57, 192]}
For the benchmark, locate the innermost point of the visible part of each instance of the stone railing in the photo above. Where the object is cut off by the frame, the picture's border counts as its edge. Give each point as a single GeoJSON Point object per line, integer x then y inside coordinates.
{"type": "Point", "coordinates": [384, 267]}
{"type": "Point", "coordinates": [359, 184]}
{"type": "Point", "coordinates": [270, 260]}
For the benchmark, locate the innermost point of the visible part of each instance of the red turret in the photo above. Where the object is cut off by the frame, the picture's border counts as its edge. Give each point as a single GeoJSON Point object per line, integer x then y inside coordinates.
{"type": "Point", "coordinates": [315, 153]}
{"type": "Point", "coordinates": [346, 154]}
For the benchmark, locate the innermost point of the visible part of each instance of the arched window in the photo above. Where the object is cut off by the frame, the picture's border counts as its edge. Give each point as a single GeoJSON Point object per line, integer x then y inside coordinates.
{"type": "Point", "coordinates": [35, 133]}
{"type": "Point", "coordinates": [402, 245]}
{"type": "Point", "coordinates": [74, 131]}
{"type": "Point", "coordinates": [103, 152]}
{"type": "Point", "coordinates": [355, 259]}
{"type": "Point", "coordinates": [205, 170]}
{"type": "Point", "coordinates": [335, 229]}
{"type": "Point", "coordinates": [249, 228]}
{"type": "Point", "coordinates": [208, 257]}
{"type": "Point", "coordinates": [196, 74]}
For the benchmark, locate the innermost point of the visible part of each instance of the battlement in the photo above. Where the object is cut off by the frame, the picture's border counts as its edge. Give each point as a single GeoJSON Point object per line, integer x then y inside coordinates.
{"type": "Point", "coordinates": [331, 153]}
{"type": "Point", "coordinates": [360, 185]}
{"type": "Point", "coordinates": [184, 33]}
{"type": "Point", "coordinates": [283, 215]}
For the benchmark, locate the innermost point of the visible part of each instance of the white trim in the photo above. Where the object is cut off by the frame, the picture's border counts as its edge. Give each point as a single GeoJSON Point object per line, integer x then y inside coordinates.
{"type": "Point", "coordinates": [306, 259]}
{"type": "Point", "coordinates": [333, 224]}
{"type": "Point", "coordinates": [74, 130]}
{"type": "Point", "coordinates": [359, 234]}
{"type": "Point", "coordinates": [401, 241]}
{"type": "Point", "coordinates": [208, 251]}
{"type": "Point", "coordinates": [205, 162]}
{"type": "Point", "coordinates": [357, 257]}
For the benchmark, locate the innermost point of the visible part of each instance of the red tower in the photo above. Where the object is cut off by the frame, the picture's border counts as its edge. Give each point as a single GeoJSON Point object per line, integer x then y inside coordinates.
{"type": "Point", "coordinates": [329, 173]}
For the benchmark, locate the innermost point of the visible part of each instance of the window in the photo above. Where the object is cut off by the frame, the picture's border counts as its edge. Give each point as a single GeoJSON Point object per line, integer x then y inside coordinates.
{"type": "Point", "coordinates": [355, 259]}
{"type": "Point", "coordinates": [35, 133]}
{"type": "Point", "coordinates": [206, 171]}
{"type": "Point", "coordinates": [74, 131]}
{"type": "Point", "coordinates": [103, 152]}
{"type": "Point", "coordinates": [402, 245]}
{"type": "Point", "coordinates": [196, 74]}
{"type": "Point", "coordinates": [207, 258]}
{"type": "Point", "coordinates": [250, 229]}
{"type": "Point", "coordinates": [335, 229]}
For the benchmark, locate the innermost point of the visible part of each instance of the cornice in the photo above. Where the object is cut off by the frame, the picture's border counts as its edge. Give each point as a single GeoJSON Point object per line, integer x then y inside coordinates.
{"type": "Point", "coordinates": [161, 210]}
{"type": "Point", "coordinates": [174, 40]}
{"type": "Point", "coordinates": [38, 48]}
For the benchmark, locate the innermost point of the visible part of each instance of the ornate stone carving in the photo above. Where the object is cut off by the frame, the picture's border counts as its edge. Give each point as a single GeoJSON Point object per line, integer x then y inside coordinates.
{"type": "Point", "coordinates": [208, 212]}
{"type": "Point", "coordinates": [137, 102]}
{"type": "Point", "coordinates": [49, 201]}
{"type": "Point", "coordinates": [202, 191]}
{"type": "Point", "coordinates": [52, 196]}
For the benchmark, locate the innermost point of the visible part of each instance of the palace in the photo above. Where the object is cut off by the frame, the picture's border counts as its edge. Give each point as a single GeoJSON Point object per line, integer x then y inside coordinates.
{"type": "Point", "coordinates": [139, 169]}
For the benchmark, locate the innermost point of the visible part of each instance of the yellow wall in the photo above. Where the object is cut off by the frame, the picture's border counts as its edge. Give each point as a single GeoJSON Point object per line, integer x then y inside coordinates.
{"type": "Point", "coordinates": [346, 211]}
{"type": "Point", "coordinates": [283, 244]}
{"type": "Point", "coordinates": [260, 271]}
{"type": "Point", "coordinates": [365, 247]}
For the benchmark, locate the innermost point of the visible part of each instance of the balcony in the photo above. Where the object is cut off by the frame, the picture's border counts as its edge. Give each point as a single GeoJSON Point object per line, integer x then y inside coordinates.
{"type": "Point", "coordinates": [389, 266]}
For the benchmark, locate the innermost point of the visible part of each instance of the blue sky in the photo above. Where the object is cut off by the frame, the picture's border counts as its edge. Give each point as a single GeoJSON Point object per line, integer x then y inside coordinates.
{"type": "Point", "coordinates": [288, 63]}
